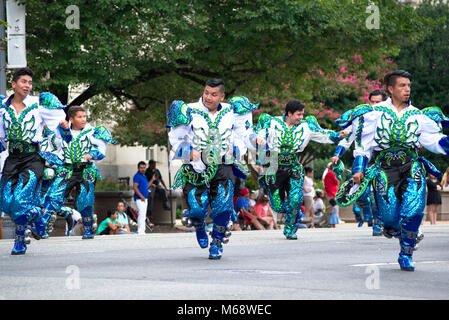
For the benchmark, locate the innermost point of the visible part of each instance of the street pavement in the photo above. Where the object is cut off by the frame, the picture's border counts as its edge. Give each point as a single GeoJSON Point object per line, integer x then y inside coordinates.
{"type": "Point", "coordinates": [342, 263]}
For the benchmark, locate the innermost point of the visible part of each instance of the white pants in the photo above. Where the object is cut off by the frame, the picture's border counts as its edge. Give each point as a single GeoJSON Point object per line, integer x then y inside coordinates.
{"type": "Point", "coordinates": [142, 214]}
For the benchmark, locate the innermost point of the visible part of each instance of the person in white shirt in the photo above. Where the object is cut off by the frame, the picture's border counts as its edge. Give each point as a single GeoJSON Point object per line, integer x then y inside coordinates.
{"type": "Point", "coordinates": [387, 137]}
{"type": "Point", "coordinates": [22, 121]}
{"type": "Point", "coordinates": [211, 137]}
{"type": "Point", "coordinates": [284, 138]}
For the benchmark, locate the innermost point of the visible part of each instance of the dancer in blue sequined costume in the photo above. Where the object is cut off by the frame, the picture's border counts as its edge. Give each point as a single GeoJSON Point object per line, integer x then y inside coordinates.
{"type": "Point", "coordinates": [211, 137]}
{"type": "Point", "coordinates": [23, 118]}
{"type": "Point", "coordinates": [285, 136]}
{"type": "Point", "coordinates": [80, 145]}
{"type": "Point", "coordinates": [387, 138]}
{"type": "Point", "coordinates": [366, 201]}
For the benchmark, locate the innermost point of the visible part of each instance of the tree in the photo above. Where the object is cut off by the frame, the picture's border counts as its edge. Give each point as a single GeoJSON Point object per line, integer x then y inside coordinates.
{"type": "Point", "coordinates": [427, 62]}
{"type": "Point", "coordinates": [147, 52]}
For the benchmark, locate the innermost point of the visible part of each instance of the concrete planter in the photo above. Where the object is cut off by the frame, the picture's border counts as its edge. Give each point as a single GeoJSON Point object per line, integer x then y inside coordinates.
{"type": "Point", "coordinates": [166, 217]}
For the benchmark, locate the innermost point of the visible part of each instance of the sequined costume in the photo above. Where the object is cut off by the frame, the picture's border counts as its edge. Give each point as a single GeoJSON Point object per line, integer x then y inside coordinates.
{"type": "Point", "coordinates": [222, 139]}
{"type": "Point", "coordinates": [284, 175]}
{"type": "Point", "coordinates": [386, 146]}
{"type": "Point", "coordinates": [22, 174]}
{"type": "Point", "coordinates": [73, 172]}
{"type": "Point", "coordinates": [365, 208]}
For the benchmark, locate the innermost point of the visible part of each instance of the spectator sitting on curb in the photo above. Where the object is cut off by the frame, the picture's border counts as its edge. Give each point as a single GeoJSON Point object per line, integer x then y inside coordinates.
{"type": "Point", "coordinates": [109, 225]}
{"type": "Point", "coordinates": [122, 219]}
{"type": "Point", "coordinates": [264, 213]}
{"type": "Point", "coordinates": [244, 211]}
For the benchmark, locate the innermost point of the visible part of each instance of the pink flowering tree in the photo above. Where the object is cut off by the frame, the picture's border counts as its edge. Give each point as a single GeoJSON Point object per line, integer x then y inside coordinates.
{"type": "Point", "coordinates": [326, 94]}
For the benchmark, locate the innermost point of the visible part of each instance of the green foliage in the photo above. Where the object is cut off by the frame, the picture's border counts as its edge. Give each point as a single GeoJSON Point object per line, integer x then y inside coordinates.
{"type": "Point", "coordinates": [108, 184]}
{"type": "Point", "coordinates": [427, 62]}
{"type": "Point", "coordinates": [148, 52]}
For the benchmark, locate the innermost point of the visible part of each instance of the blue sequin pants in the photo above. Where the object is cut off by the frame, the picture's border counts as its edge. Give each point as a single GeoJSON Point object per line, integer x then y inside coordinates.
{"type": "Point", "coordinates": [20, 193]}
{"type": "Point", "coordinates": [84, 188]}
{"type": "Point", "coordinates": [218, 193]}
{"type": "Point", "coordinates": [400, 193]}
{"type": "Point", "coordinates": [286, 195]}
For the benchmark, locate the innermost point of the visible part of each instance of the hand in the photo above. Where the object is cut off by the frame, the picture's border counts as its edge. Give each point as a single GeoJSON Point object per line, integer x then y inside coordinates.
{"type": "Point", "coordinates": [357, 177]}
{"type": "Point", "coordinates": [142, 198]}
{"type": "Point", "coordinates": [259, 141]}
{"type": "Point", "coordinates": [194, 155]}
{"type": "Point", "coordinates": [344, 133]}
{"type": "Point", "coordinates": [64, 124]}
{"type": "Point", "coordinates": [87, 157]}
{"type": "Point", "coordinates": [335, 159]}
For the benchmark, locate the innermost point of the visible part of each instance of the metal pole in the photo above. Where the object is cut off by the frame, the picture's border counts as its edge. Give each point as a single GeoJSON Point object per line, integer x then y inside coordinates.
{"type": "Point", "coordinates": [169, 172]}
{"type": "Point", "coordinates": [2, 50]}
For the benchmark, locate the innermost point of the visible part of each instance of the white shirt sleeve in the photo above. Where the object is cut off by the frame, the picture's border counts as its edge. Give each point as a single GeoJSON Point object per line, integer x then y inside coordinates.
{"type": "Point", "coordinates": [430, 135]}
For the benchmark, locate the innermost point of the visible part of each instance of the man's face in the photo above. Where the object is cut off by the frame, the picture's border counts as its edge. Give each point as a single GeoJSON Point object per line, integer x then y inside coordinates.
{"type": "Point", "coordinates": [375, 99]}
{"type": "Point", "coordinates": [78, 120]}
{"type": "Point", "coordinates": [23, 85]}
{"type": "Point", "coordinates": [401, 90]}
{"type": "Point", "coordinates": [142, 168]}
{"type": "Point", "coordinates": [296, 117]}
{"type": "Point", "coordinates": [121, 207]}
{"type": "Point", "coordinates": [212, 97]}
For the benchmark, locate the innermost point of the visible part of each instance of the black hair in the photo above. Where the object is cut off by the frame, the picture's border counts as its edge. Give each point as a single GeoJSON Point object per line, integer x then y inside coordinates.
{"type": "Point", "coordinates": [151, 162]}
{"type": "Point", "coordinates": [73, 110]}
{"type": "Point", "coordinates": [22, 72]}
{"type": "Point", "coordinates": [213, 83]}
{"type": "Point", "coordinates": [140, 163]}
{"type": "Point", "coordinates": [378, 93]}
{"type": "Point", "coordinates": [110, 213]}
{"type": "Point", "coordinates": [293, 106]}
{"type": "Point", "coordinates": [308, 169]}
{"type": "Point", "coordinates": [332, 202]}
{"type": "Point", "coordinates": [390, 78]}
{"type": "Point", "coordinates": [122, 201]}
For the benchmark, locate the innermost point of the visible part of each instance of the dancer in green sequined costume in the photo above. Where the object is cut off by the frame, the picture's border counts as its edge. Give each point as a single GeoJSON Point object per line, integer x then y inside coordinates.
{"type": "Point", "coordinates": [387, 139]}
{"type": "Point", "coordinates": [286, 136]}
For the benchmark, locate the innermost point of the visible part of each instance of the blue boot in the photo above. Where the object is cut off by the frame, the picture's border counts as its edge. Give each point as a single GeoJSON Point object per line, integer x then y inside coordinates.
{"type": "Point", "coordinates": [220, 234]}
{"type": "Point", "coordinates": [408, 242]}
{"type": "Point", "coordinates": [377, 228]}
{"type": "Point", "coordinates": [20, 246]}
{"type": "Point", "coordinates": [216, 249]}
{"type": "Point", "coordinates": [87, 220]}
{"type": "Point", "coordinates": [290, 226]}
{"type": "Point", "coordinates": [201, 234]}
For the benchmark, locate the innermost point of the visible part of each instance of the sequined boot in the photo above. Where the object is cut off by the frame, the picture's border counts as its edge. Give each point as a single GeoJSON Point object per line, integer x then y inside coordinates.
{"type": "Point", "coordinates": [87, 220]}
{"type": "Point", "coordinates": [290, 226]}
{"type": "Point", "coordinates": [407, 241]}
{"type": "Point", "coordinates": [201, 234]}
{"type": "Point", "coordinates": [20, 245]}
{"type": "Point", "coordinates": [220, 235]}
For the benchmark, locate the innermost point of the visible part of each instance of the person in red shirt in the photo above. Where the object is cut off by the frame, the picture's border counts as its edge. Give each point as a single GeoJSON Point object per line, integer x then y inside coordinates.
{"type": "Point", "coordinates": [264, 213]}
{"type": "Point", "coordinates": [331, 183]}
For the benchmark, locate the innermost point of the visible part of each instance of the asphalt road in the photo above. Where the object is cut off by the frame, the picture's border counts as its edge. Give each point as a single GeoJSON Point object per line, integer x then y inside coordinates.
{"type": "Point", "coordinates": [343, 263]}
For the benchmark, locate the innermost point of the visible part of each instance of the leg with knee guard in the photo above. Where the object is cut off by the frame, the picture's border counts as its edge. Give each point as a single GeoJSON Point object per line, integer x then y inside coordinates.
{"type": "Point", "coordinates": [198, 202]}
{"type": "Point", "coordinates": [222, 210]}
{"type": "Point", "coordinates": [413, 203]}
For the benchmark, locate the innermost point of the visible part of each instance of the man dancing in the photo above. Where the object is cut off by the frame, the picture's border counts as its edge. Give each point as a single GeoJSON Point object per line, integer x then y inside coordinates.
{"type": "Point", "coordinates": [366, 201]}
{"type": "Point", "coordinates": [387, 139]}
{"type": "Point", "coordinates": [285, 137]}
{"type": "Point", "coordinates": [211, 136]}
{"type": "Point", "coordinates": [22, 123]}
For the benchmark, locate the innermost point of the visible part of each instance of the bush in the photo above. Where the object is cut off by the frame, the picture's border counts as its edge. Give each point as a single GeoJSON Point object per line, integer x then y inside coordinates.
{"type": "Point", "coordinates": [109, 184]}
